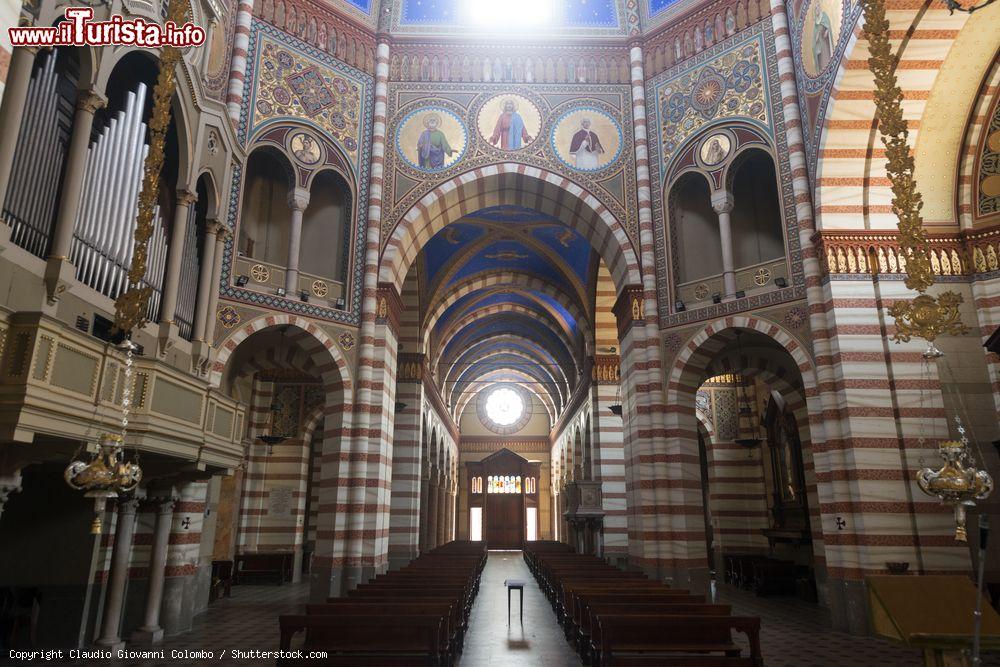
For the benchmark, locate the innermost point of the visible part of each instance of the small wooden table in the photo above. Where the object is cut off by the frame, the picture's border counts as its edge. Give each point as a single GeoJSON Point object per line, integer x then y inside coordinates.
{"type": "Point", "coordinates": [513, 584]}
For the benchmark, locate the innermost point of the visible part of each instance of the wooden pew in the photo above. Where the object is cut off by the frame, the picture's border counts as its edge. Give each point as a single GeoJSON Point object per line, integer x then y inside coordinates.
{"type": "Point", "coordinates": [667, 637]}
{"type": "Point", "coordinates": [417, 639]}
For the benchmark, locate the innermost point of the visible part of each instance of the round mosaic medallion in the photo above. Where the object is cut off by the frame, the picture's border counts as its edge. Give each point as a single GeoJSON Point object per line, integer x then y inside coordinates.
{"type": "Point", "coordinates": [586, 139]}
{"type": "Point", "coordinates": [509, 122]}
{"type": "Point", "coordinates": [431, 139]}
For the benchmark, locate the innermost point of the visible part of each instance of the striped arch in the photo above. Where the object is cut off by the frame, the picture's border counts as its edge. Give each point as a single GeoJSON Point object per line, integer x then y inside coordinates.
{"type": "Point", "coordinates": [330, 362]}
{"type": "Point", "coordinates": [510, 184]}
{"type": "Point", "coordinates": [943, 59]}
{"type": "Point", "coordinates": [506, 280]}
{"type": "Point", "coordinates": [560, 382]}
{"type": "Point", "coordinates": [688, 369]}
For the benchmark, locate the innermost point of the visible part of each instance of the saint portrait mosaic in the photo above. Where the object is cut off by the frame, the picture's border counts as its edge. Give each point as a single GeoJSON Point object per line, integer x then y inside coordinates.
{"type": "Point", "coordinates": [586, 139]}
{"type": "Point", "coordinates": [821, 26]}
{"type": "Point", "coordinates": [431, 139]}
{"type": "Point", "coordinates": [715, 149]}
{"type": "Point", "coordinates": [509, 122]}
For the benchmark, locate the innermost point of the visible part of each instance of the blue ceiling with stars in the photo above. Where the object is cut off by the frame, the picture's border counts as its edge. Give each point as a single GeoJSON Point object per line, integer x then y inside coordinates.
{"type": "Point", "coordinates": [518, 283]}
{"type": "Point", "coordinates": [567, 13]}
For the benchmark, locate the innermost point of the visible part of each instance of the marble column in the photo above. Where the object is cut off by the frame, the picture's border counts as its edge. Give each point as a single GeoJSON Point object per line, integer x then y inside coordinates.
{"type": "Point", "coordinates": [722, 203]}
{"type": "Point", "coordinates": [151, 632]}
{"type": "Point", "coordinates": [432, 508]}
{"type": "Point", "coordinates": [298, 200]}
{"type": "Point", "coordinates": [213, 248]}
{"type": "Point", "coordinates": [58, 271]}
{"type": "Point", "coordinates": [114, 598]}
{"type": "Point", "coordinates": [442, 508]}
{"type": "Point", "coordinates": [178, 234]}
{"type": "Point", "coordinates": [22, 60]}
{"type": "Point", "coordinates": [452, 494]}
{"type": "Point", "coordinates": [424, 508]}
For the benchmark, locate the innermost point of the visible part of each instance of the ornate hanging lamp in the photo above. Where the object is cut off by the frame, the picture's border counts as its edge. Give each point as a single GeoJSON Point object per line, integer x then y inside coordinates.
{"type": "Point", "coordinates": [745, 411]}
{"type": "Point", "coordinates": [958, 482]}
{"type": "Point", "coordinates": [105, 473]}
{"type": "Point", "coordinates": [967, 7]}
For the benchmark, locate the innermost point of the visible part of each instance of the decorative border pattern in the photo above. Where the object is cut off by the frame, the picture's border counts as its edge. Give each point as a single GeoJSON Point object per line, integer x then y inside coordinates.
{"type": "Point", "coordinates": [229, 291]}
{"type": "Point", "coordinates": [761, 31]}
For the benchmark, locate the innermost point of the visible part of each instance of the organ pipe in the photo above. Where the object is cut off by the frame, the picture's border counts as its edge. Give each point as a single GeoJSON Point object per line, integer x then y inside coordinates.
{"type": "Point", "coordinates": [32, 196]}
{"type": "Point", "coordinates": [104, 241]}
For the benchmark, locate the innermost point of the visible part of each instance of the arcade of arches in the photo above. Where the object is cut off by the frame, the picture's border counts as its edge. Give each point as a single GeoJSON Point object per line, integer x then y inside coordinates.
{"type": "Point", "coordinates": [617, 278]}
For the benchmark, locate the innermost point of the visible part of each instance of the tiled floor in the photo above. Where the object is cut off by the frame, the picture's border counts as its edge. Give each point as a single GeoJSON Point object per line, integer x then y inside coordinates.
{"type": "Point", "coordinates": [793, 633]}
{"type": "Point", "coordinates": [490, 641]}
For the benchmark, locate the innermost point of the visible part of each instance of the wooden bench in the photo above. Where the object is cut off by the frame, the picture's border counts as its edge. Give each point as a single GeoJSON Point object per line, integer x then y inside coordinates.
{"type": "Point", "coordinates": [656, 608]}
{"type": "Point", "coordinates": [274, 566]}
{"type": "Point", "coordinates": [666, 637]}
{"type": "Point", "coordinates": [415, 638]}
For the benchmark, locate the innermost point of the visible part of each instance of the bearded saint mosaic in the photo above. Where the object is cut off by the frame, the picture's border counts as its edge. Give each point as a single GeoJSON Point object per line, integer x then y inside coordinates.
{"type": "Point", "coordinates": [821, 27]}
{"type": "Point", "coordinates": [431, 139]}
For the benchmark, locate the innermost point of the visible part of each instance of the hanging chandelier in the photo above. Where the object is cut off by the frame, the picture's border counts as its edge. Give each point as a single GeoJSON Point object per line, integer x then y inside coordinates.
{"type": "Point", "coordinates": [745, 411]}
{"type": "Point", "coordinates": [105, 473]}
{"type": "Point", "coordinates": [958, 482]}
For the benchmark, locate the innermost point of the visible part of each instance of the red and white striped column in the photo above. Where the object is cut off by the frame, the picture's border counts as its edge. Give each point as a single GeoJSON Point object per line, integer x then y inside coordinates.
{"type": "Point", "coordinates": [238, 63]}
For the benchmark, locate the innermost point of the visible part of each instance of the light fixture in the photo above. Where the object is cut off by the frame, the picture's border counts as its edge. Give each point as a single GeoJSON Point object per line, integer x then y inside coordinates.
{"type": "Point", "coordinates": [740, 294]}
{"type": "Point", "coordinates": [105, 473]}
{"type": "Point", "coordinates": [616, 409]}
{"type": "Point", "coordinates": [780, 282]}
{"type": "Point", "coordinates": [241, 280]}
{"type": "Point", "coordinates": [339, 303]}
{"type": "Point", "coordinates": [281, 291]}
{"type": "Point", "coordinates": [679, 306]}
{"type": "Point", "coordinates": [400, 407]}
{"type": "Point", "coordinates": [271, 438]}
{"type": "Point", "coordinates": [716, 298]}
{"type": "Point", "coordinates": [304, 295]}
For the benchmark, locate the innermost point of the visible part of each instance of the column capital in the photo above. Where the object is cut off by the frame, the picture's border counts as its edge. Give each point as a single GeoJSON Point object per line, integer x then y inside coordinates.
{"type": "Point", "coordinates": [630, 308]}
{"type": "Point", "coordinates": [128, 505]}
{"type": "Point", "coordinates": [722, 201]}
{"type": "Point", "coordinates": [388, 306]}
{"type": "Point", "coordinates": [90, 101]}
{"type": "Point", "coordinates": [186, 197]}
{"type": "Point", "coordinates": [162, 504]}
{"type": "Point", "coordinates": [298, 199]}
{"type": "Point", "coordinates": [216, 228]}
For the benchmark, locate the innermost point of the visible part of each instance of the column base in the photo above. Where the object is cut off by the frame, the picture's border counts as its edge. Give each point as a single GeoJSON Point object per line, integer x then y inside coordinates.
{"type": "Point", "coordinates": [147, 635]}
{"type": "Point", "coordinates": [166, 337]}
{"type": "Point", "coordinates": [59, 275]}
{"type": "Point", "coordinates": [113, 645]}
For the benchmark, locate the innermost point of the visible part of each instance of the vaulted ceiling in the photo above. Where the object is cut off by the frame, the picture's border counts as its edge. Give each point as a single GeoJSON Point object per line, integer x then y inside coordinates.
{"type": "Point", "coordinates": [507, 295]}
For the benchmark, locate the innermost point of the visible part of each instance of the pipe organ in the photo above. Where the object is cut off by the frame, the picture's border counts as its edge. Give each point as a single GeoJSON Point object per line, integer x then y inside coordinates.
{"type": "Point", "coordinates": [105, 227]}
{"type": "Point", "coordinates": [32, 196]}
{"type": "Point", "coordinates": [187, 295]}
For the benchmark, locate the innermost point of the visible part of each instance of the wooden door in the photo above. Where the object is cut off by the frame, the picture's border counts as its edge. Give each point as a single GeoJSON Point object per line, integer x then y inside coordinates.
{"type": "Point", "coordinates": [504, 521]}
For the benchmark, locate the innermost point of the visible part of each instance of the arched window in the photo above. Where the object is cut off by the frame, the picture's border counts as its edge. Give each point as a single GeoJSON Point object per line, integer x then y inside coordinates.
{"type": "Point", "coordinates": [325, 228]}
{"type": "Point", "coordinates": [758, 234]}
{"type": "Point", "coordinates": [698, 249]}
{"type": "Point", "coordinates": [265, 217]}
